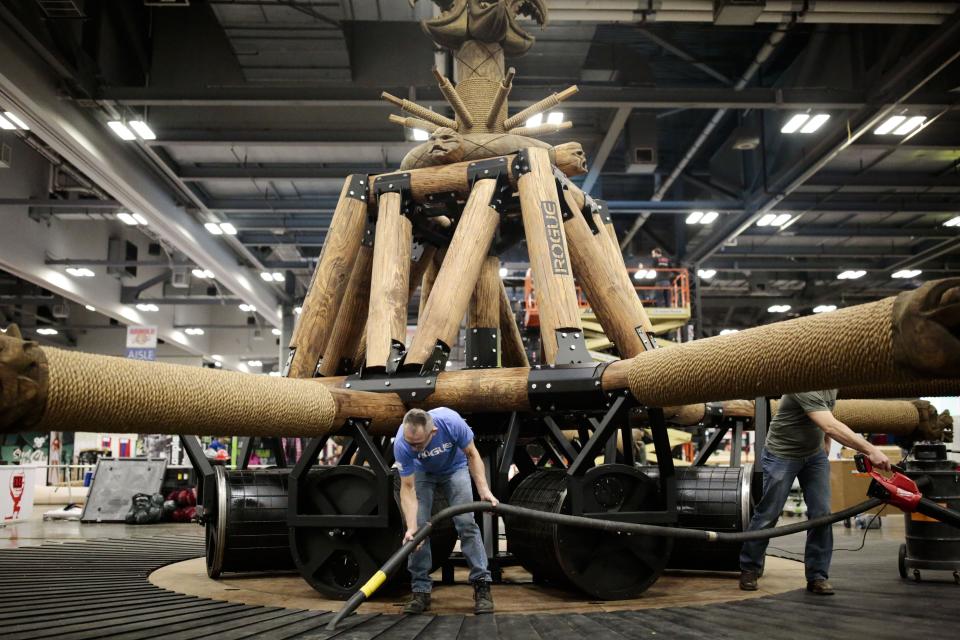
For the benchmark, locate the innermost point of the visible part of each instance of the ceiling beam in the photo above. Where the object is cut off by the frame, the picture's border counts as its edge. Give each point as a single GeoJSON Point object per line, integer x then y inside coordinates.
{"type": "Point", "coordinates": [858, 231]}
{"type": "Point", "coordinates": [606, 146]}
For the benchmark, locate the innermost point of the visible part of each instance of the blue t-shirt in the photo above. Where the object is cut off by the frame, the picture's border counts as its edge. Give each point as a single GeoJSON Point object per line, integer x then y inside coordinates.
{"type": "Point", "coordinates": [444, 453]}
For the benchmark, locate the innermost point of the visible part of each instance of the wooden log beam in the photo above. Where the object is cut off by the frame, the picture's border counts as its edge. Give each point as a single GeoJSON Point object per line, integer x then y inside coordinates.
{"type": "Point", "coordinates": [387, 317]}
{"type": "Point", "coordinates": [549, 259]}
{"type": "Point", "coordinates": [484, 310]}
{"type": "Point", "coordinates": [319, 311]}
{"type": "Point", "coordinates": [512, 351]}
{"type": "Point", "coordinates": [351, 318]}
{"type": "Point", "coordinates": [458, 275]}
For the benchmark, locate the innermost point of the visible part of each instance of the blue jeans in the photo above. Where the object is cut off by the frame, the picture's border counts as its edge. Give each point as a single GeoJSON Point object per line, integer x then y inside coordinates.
{"type": "Point", "coordinates": [458, 489]}
{"type": "Point", "coordinates": [778, 476]}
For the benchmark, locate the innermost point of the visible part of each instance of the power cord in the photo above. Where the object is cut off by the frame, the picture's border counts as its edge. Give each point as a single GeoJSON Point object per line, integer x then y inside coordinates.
{"type": "Point", "coordinates": [863, 540]}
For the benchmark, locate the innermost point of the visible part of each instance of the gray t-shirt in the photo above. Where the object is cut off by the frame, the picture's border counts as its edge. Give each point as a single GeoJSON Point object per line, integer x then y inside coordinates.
{"type": "Point", "coordinates": [792, 434]}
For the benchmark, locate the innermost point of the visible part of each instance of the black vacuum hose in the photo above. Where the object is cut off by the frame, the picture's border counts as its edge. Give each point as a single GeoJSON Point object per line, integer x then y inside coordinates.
{"type": "Point", "coordinates": [393, 563]}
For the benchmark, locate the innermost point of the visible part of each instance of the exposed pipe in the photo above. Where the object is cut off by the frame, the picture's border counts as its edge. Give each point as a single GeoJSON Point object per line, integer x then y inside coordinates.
{"type": "Point", "coordinates": [762, 56]}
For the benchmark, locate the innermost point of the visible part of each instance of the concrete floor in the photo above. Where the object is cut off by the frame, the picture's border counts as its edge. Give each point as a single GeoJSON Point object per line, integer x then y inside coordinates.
{"type": "Point", "coordinates": [35, 530]}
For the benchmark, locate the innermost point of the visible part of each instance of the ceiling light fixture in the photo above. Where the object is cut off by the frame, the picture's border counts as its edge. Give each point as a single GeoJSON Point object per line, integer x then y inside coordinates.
{"type": "Point", "coordinates": [47, 331]}
{"type": "Point", "coordinates": [121, 130]}
{"type": "Point", "coordinates": [906, 273]}
{"type": "Point", "coordinates": [709, 217]}
{"type": "Point", "coordinates": [228, 228]}
{"type": "Point", "coordinates": [778, 308]}
{"type": "Point", "coordinates": [147, 306]}
{"type": "Point", "coordinates": [694, 217]}
{"type": "Point", "coordinates": [217, 357]}
{"type": "Point", "coordinates": [248, 308]}
{"type": "Point", "coordinates": [127, 219]}
{"type": "Point", "coordinates": [420, 135]}
{"type": "Point", "coordinates": [203, 274]}
{"type": "Point", "coordinates": [504, 272]}
{"type": "Point", "coordinates": [851, 274]}
{"type": "Point", "coordinates": [555, 117]}
{"type": "Point", "coordinates": [952, 222]}
{"type": "Point", "coordinates": [889, 125]}
{"type": "Point", "coordinates": [80, 272]}
{"type": "Point", "coordinates": [909, 125]}
{"type": "Point", "coordinates": [15, 119]}
{"type": "Point", "coordinates": [815, 123]}
{"type": "Point", "coordinates": [142, 129]}
{"type": "Point", "coordinates": [6, 125]}
{"type": "Point", "coordinates": [794, 123]}
{"type": "Point", "coordinates": [726, 332]}
{"type": "Point", "coordinates": [275, 331]}
{"type": "Point", "coordinates": [535, 121]}
{"type": "Point", "coordinates": [213, 228]}
{"type": "Point", "coordinates": [706, 274]}
{"type": "Point", "coordinates": [825, 308]}
{"type": "Point", "coordinates": [254, 363]}
{"type": "Point", "coordinates": [193, 331]}
{"type": "Point", "coordinates": [89, 307]}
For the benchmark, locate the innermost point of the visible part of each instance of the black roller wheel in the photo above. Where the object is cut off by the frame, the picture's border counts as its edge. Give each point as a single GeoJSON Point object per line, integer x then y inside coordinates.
{"type": "Point", "coordinates": [606, 566]}
{"type": "Point", "coordinates": [916, 575]}
{"type": "Point", "coordinates": [902, 561]}
{"type": "Point", "coordinates": [336, 561]}
{"type": "Point", "coordinates": [215, 506]}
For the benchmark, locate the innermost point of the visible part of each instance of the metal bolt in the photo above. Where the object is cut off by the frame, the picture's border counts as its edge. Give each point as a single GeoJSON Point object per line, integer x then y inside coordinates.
{"type": "Point", "coordinates": [576, 335]}
{"type": "Point", "coordinates": [534, 385]}
{"type": "Point", "coordinates": [390, 186]}
{"type": "Point", "coordinates": [549, 385]}
{"type": "Point", "coordinates": [563, 335]}
{"type": "Point", "coordinates": [596, 383]}
{"type": "Point", "coordinates": [572, 347]}
{"type": "Point", "coordinates": [429, 381]}
{"type": "Point", "coordinates": [552, 407]}
{"type": "Point", "coordinates": [474, 330]}
{"type": "Point", "coordinates": [361, 182]}
{"type": "Point", "coordinates": [413, 394]}
{"type": "Point", "coordinates": [351, 192]}
{"type": "Point", "coordinates": [538, 408]}
{"type": "Point", "coordinates": [387, 383]}
{"type": "Point", "coordinates": [347, 385]}
{"type": "Point", "coordinates": [494, 350]}
{"type": "Point", "coordinates": [474, 358]}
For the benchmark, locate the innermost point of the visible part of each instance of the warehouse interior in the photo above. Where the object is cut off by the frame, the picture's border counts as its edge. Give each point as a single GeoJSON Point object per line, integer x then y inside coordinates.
{"type": "Point", "coordinates": [742, 199]}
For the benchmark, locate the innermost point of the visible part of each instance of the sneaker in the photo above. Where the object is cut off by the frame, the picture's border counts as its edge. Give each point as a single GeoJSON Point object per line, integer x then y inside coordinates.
{"type": "Point", "coordinates": [419, 603]}
{"type": "Point", "coordinates": [820, 587]}
{"type": "Point", "coordinates": [482, 599]}
{"type": "Point", "coordinates": [748, 580]}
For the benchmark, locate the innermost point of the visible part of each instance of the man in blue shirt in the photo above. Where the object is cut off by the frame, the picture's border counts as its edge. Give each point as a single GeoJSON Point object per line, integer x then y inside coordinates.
{"type": "Point", "coordinates": [435, 451]}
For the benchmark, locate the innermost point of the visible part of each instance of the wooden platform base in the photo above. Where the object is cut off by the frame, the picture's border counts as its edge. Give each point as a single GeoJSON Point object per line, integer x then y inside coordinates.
{"type": "Point", "coordinates": [517, 595]}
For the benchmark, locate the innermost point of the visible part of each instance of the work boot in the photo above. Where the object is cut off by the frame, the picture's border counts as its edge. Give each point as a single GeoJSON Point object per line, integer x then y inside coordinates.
{"type": "Point", "coordinates": [482, 600]}
{"type": "Point", "coordinates": [419, 603]}
{"type": "Point", "coordinates": [748, 580]}
{"type": "Point", "coordinates": [820, 587]}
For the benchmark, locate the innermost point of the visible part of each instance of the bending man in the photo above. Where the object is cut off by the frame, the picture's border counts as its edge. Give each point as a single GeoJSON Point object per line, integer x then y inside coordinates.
{"type": "Point", "coordinates": [796, 447]}
{"type": "Point", "coordinates": [435, 451]}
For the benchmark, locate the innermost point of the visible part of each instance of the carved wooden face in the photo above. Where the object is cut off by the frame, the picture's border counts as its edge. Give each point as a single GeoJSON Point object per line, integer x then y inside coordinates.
{"type": "Point", "coordinates": [445, 146]}
{"type": "Point", "coordinates": [571, 154]}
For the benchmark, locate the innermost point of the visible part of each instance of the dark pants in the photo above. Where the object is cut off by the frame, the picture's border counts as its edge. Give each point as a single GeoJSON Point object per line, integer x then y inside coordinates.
{"type": "Point", "coordinates": [663, 295]}
{"type": "Point", "coordinates": [778, 476]}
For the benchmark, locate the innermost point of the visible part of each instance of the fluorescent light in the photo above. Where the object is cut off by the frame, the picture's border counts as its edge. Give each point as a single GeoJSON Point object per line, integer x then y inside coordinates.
{"type": "Point", "coordinates": [815, 123]}
{"type": "Point", "coordinates": [89, 307]}
{"type": "Point", "coordinates": [47, 331]}
{"type": "Point", "coordinates": [275, 331]}
{"type": "Point", "coordinates": [851, 274]}
{"type": "Point", "coordinates": [420, 135]}
{"type": "Point", "coordinates": [80, 272]}
{"type": "Point", "coordinates": [910, 125]}
{"type": "Point", "coordinates": [907, 273]}
{"type": "Point", "coordinates": [265, 276]}
{"type": "Point", "coordinates": [726, 332]}
{"type": "Point", "coordinates": [249, 308]}
{"type": "Point", "coordinates": [535, 121]}
{"type": "Point", "coordinates": [766, 220]}
{"type": "Point", "coordinates": [889, 125]}
{"type": "Point", "coordinates": [706, 274]}
{"type": "Point", "coordinates": [555, 118]}
{"type": "Point", "coordinates": [121, 130]}
{"type": "Point", "coordinates": [193, 331]}
{"type": "Point", "coordinates": [254, 363]}
{"type": "Point", "coordinates": [952, 222]}
{"type": "Point", "coordinates": [794, 123]}
{"type": "Point", "coordinates": [147, 307]}
{"type": "Point", "coordinates": [139, 218]}
{"type": "Point", "coordinates": [638, 274]}
{"type": "Point", "coordinates": [297, 310]}
{"type": "Point", "coordinates": [199, 273]}
{"type": "Point", "coordinates": [694, 217]}
{"type": "Point", "coordinates": [127, 219]}
{"type": "Point", "coordinates": [143, 130]}
{"type": "Point", "coordinates": [274, 374]}
{"type": "Point", "coordinates": [15, 119]}
{"type": "Point", "coordinates": [228, 228]}
{"type": "Point", "coordinates": [778, 308]}
{"type": "Point", "coordinates": [825, 308]}
{"type": "Point", "coordinates": [504, 272]}
{"type": "Point", "coordinates": [6, 125]}
{"type": "Point", "coordinates": [278, 277]}
{"type": "Point", "coordinates": [651, 274]}
{"type": "Point", "coordinates": [213, 228]}
{"type": "Point", "coordinates": [781, 220]}
{"type": "Point", "coordinates": [709, 217]}
{"type": "Point", "coordinates": [217, 357]}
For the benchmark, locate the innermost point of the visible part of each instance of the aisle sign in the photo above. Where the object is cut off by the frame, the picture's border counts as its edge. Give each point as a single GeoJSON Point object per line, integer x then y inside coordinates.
{"type": "Point", "coordinates": [142, 342]}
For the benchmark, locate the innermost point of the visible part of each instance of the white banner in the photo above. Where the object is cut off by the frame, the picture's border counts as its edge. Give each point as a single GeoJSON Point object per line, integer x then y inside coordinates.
{"type": "Point", "coordinates": [142, 342]}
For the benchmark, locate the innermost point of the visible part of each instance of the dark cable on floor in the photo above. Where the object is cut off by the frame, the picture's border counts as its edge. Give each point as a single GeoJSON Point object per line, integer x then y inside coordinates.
{"type": "Point", "coordinates": [863, 540]}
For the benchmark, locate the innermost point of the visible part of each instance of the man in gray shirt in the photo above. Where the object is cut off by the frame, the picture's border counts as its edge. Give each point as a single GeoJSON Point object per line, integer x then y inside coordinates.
{"type": "Point", "coordinates": [796, 448]}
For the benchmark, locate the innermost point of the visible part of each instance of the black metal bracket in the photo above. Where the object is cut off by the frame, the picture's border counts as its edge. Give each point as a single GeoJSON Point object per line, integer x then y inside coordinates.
{"type": "Point", "coordinates": [483, 350]}
{"type": "Point", "coordinates": [247, 446]}
{"type": "Point", "coordinates": [437, 362]}
{"type": "Point", "coordinates": [501, 480]}
{"type": "Point", "coordinates": [286, 365]}
{"type": "Point", "coordinates": [396, 183]}
{"type": "Point", "coordinates": [206, 480]}
{"type": "Point", "coordinates": [409, 386]}
{"type": "Point", "coordinates": [358, 186]}
{"type": "Point", "coordinates": [648, 340]}
{"type": "Point", "coordinates": [397, 351]}
{"type": "Point", "coordinates": [566, 388]}
{"type": "Point", "coordinates": [571, 347]}
{"type": "Point", "coordinates": [521, 163]}
{"type": "Point", "coordinates": [495, 169]}
{"type": "Point", "coordinates": [355, 429]}
{"type": "Point", "coordinates": [603, 210]}
{"type": "Point", "coordinates": [369, 229]}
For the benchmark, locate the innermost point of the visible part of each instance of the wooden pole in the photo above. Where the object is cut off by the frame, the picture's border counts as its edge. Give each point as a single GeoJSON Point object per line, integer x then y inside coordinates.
{"type": "Point", "coordinates": [318, 312]}
{"type": "Point", "coordinates": [550, 261]}
{"type": "Point", "coordinates": [387, 318]}
{"type": "Point", "coordinates": [351, 318]}
{"type": "Point", "coordinates": [458, 275]}
{"type": "Point", "coordinates": [620, 314]}
{"type": "Point", "coordinates": [512, 352]}
{"type": "Point", "coordinates": [429, 277]}
{"type": "Point", "coordinates": [483, 317]}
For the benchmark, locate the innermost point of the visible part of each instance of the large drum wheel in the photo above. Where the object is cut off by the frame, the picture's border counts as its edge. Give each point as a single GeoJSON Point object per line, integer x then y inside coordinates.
{"type": "Point", "coordinates": [215, 524]}
{"type": "Point", "coordinates": [606, 566]}
{"type": "Point", "coordinates": [336, 561]}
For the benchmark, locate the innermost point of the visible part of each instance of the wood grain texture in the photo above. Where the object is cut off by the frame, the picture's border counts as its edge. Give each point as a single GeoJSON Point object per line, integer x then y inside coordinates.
{"type": "Point", "coordinates": [352, 316]}
{"type": "Point", "coordinates": [512, 352]}
{"type": "Point", "coordinates": [458, 275]}
{"type": "Point", "coordinates": [387, 317]}
{"type": "Point", "coordinates": [319, 309]}
{"type": "Point", "coordinates": [429, 277]}
{"type": "Point", "coordinates": [597, 278]}
{"type": "Point", "coordinates": [549, 256]}
{"type": "Point", "coordinates": [484, 310]}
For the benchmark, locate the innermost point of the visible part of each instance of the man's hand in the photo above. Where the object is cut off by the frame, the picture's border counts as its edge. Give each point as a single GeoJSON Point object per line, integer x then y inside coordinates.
{"type": "Point", "coordinates": [879, 459]}
{"type": "Point", "coordinates": [487, 496]}
{"type": "Point", "coordinates": [408, 536]}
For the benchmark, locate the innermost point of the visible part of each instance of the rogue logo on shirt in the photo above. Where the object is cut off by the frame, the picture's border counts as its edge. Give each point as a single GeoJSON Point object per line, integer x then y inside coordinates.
{"type": "Point", "coordinates": [427, 453]}
{"type": "Point", "coordinates": [555, 245]}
